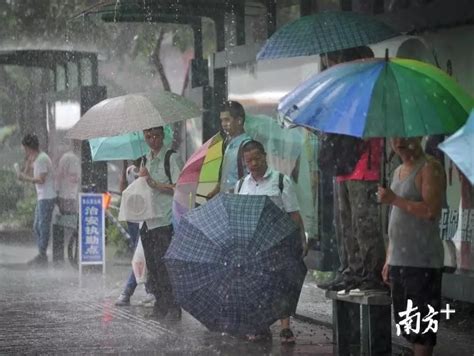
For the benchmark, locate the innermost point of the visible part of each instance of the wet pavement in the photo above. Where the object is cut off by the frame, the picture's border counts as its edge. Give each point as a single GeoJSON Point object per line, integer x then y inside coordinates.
{"type": "Point", "coordinates": [54, 311]}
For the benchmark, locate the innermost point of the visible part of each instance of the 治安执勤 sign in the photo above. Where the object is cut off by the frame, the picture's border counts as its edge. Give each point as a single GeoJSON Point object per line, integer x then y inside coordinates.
{"type": "Point", "coordinates": [91, 229]}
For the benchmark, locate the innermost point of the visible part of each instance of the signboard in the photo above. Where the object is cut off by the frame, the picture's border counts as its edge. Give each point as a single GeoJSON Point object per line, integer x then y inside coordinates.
{"type": "Point", "coordinates": [449, 224]}
{"type": "Point", "coordinates": [91, 230]}
{"type": "Point", "coordinates": [467, 227]}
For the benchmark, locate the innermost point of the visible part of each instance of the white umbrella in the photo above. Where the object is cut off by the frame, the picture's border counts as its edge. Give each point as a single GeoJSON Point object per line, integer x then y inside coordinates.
{"type": "Point", "coordinates": [460, 148]}
{"type": "Point", "coordinates": [133, 112]}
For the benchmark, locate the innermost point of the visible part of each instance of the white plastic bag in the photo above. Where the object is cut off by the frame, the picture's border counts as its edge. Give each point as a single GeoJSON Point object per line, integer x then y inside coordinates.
{"type": "Point", "coordinates": [139, 263]}
{"type": "Point", "coordinates": [137, 202]}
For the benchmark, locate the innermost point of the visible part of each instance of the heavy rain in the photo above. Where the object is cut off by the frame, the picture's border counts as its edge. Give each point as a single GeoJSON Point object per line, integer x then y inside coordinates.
{"type": "Point", "coordinates": [237, 177]}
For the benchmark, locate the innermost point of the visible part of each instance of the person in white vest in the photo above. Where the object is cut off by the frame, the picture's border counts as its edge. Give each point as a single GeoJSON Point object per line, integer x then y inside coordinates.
{"type": "Point", "coordinates": [414, 264]}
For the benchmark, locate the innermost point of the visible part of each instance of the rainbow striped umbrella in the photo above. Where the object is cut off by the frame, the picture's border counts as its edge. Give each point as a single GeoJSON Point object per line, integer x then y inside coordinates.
{"type": "Point", "coordinates": [198, 177]}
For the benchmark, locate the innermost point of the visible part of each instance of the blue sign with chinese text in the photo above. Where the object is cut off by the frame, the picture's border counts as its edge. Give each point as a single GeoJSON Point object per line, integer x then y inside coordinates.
{"type": "Point", "coordinates": [91, 229]}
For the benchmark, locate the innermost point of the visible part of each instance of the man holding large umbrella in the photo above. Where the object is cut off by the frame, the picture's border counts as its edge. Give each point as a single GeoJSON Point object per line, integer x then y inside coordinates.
{"type": "Point", "coordinates": [262, 180]}
{"type": "Point", "coordinates": [394, 98]}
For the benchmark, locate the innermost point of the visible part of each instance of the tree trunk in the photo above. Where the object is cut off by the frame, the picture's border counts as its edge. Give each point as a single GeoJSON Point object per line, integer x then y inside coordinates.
{"type": "Point", "coordinates": [155, 57]}
{"type": "Point", "coordinates": [177, 127]}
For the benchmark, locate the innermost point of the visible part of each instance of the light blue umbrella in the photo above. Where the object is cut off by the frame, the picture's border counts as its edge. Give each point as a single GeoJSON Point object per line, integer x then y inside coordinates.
{"type": "Point", "coordinates": [460, 148]}
{"type": "Point", "coordinates": [129, 146]}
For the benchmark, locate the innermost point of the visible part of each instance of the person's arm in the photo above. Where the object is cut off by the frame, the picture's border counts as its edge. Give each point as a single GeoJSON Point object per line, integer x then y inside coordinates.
{"type": "Point", "coordinates": [385, 275]}
{"type": "Point", "coordinates": [162, 187]}
{"type": "Point", "coordinates": [154, 184]}
{"type": "Point", "coordinates": [291, 206]}
{"type": "Point", "coordinates": [298, 220]}
{"type": "Point", "coordinates": [433, 184]}
{"type": "Point", "coordinates": [35, 180]}
{"type": "Point", "coordinates": [41, 178]}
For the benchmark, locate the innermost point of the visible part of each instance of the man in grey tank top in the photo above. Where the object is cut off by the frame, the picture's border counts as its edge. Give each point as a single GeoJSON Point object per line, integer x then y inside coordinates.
{"type": "Point", "coordinates": [413, 267]}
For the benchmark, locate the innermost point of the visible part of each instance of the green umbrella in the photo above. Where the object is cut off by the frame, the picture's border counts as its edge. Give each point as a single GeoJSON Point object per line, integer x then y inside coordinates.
{"type": "Point", "coordinates": [391, 97]}
{"type": "Point", "coordinates": [324, 32]}
{"type": "Point", "coordinates": [379, 97]}
{"type": "Point", "coordinates": [281, 145]}
{"type": "Point", "coordinates": [129, 146]}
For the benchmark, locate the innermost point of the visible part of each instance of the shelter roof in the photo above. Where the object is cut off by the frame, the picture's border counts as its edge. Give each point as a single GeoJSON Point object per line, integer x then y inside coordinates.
{"type": "Point", "coordinates": [40, 53]}
{"type": "Point", "coordinates": [168, 11]}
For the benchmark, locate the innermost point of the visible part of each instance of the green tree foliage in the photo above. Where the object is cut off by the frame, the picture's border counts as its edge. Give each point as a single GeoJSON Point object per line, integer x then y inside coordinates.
{"type": "Point", "coordinates": [52, 22]}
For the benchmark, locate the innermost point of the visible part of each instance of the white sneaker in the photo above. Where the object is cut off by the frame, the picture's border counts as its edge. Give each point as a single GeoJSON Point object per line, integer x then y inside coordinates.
{"type": "Point", "coordinates": [148, 301]}
{"type": "Point", "coordinates": [357, 292]}
{"type": "Point", "coordinates": [343, 293]}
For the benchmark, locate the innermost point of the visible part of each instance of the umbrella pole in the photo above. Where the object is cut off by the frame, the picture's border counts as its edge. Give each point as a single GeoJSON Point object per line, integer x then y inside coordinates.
{"type": "Point", "coordinates": [383, 172]}
{"type": "Point", "coordinates": [383, 182]}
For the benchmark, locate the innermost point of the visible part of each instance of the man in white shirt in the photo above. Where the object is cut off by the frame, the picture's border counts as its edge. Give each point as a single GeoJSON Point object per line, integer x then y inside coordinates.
{"type": "Point", "coordinates": [263, 180]}
{"type": "Point", "coordinates": [156, 233]}
{"type": "Point", "coordinates": [43, 180]}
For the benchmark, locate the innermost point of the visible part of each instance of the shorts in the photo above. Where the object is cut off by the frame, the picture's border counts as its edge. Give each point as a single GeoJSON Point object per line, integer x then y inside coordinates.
{"type": "Point", "coordinates": [423, 287]}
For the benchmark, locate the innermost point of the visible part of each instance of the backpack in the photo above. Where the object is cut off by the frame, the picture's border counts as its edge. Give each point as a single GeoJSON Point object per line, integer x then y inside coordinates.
{"type": "Point", "coordinates": [339, 154]}
{"type": "Point", "coordinates": [166, 164]}
{"type": "Point", "coordinates": [280, 183]}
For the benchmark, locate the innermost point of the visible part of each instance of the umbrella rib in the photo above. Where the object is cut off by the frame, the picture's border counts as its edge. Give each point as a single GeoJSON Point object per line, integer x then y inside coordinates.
{"type": "Point", "coordinates": [400, 98]}
{"type": "Point", "coordinates": [420, 112]}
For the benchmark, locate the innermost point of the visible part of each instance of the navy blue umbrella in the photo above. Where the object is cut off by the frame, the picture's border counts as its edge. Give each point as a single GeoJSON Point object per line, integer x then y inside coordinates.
{"type": "Point", "coordinates": [235, 263]}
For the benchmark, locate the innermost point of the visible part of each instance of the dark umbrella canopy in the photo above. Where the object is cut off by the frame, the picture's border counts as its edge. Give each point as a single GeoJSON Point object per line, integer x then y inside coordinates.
{"type": "Point", "coordinates": [235, 263]}
{"type": "Point", "coordinates": [325, 32]}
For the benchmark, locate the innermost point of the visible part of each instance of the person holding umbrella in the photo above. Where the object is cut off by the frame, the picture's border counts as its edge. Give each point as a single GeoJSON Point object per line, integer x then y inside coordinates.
{"type": "Point", "coordinates": [232, 167]}
{"type": "Point", "coordinates": [156, 233]}
{"type": "Point", "coordinates": [355, 164]}
{"type": "Point", "coordinates": [413, 267]}
{"type": "Point", "coordinates": [263, 180]}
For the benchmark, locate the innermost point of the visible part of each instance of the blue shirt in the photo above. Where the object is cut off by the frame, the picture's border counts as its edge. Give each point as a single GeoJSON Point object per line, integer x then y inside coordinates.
{"type": "Point", "coordinates": [230, 174]}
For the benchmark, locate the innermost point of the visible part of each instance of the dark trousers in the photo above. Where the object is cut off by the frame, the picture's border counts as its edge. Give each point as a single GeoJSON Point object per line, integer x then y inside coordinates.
{"type": "Point", "coordinates": [155, 243]}
{"type": "Point", "coordinates": [359, 226]}
{"type": "Point", "coordinates": [341, 248]}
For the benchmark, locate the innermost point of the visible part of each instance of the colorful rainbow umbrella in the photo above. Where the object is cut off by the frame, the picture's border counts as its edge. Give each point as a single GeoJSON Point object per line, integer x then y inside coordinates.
{"type": "Point", "coordinates": [198, 177]}
{"type": "Point", "coordinates": [379, 98]}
